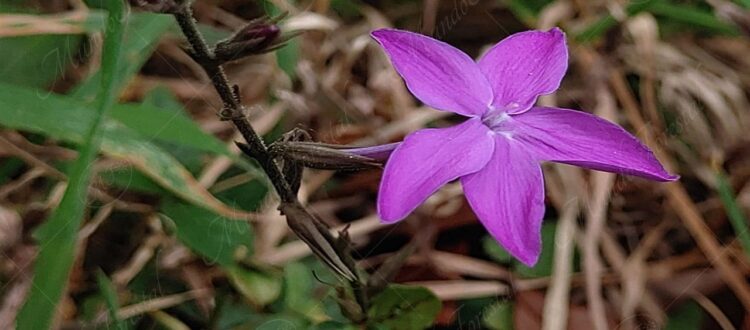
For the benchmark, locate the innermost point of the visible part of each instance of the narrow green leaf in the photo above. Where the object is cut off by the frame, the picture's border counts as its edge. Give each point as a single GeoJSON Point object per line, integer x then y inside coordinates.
{"type": "Point", "coordinates": [522, 11]}
{"type": "Point", "coordinates": [691, 16]}
{"type": "Point", "coordinates": [61, 118]}
{"type": "Point", "coordinates": [598, 28]}
{"type": "Point", "coordinates": [404, 307]}
{"type": "Point", "coordinates": [108, 291]}
{"type": "Point", "coordinates": [158, 124]}
{"type": "Point", "coordinates": [161, 117]}
{"type": "Point", "coordinates": [298, 287]}
{"type": "Point", "coordinates": [734, 212]}
{"type": "Point", "coordinates": [57, 237]}
{"type": "Point", "coordinates": [145, 30]}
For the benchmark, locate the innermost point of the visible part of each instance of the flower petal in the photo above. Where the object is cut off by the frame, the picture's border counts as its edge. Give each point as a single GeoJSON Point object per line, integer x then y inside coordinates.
{"type": "Point", "coordinates": [578, 138]}
{"type": "Point", "coordinates": [507, 196]}
{"type": "Point", "coordinates": [428, 159]}
{"type": "Point", "coordinates": [438, 74]}
{"type": "Point", "coordinates": [524, 66]}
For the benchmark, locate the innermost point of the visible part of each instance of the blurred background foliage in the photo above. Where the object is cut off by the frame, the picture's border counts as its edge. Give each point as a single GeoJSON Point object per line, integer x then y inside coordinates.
{"type": "Point", "coordinates": [177, 230]}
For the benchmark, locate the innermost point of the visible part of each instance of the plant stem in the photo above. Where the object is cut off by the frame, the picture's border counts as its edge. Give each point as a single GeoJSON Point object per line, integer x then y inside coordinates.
{"type": "Point", "coordinates": [310, 230]}
{"type": "Point", "coordinates": [233, 109]}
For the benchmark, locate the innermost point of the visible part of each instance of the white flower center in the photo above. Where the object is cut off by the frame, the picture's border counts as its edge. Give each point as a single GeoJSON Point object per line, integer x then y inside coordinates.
{"type": "Point", "coordinates": [499, 122]}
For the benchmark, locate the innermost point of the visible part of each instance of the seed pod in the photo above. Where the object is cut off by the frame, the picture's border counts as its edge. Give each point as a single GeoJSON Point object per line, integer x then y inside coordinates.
{"type": "Point", "coordinates": [317, 237]}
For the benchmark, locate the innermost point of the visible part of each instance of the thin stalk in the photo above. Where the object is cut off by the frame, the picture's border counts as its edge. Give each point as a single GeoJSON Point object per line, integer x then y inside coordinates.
{"type": "Point", "coordinates": [310, 230]}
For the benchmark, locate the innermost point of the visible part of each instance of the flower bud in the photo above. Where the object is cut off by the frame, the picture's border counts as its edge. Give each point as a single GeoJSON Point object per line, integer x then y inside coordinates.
{"type": "Point", "coordinates": [259, 36]}
{"type": "Point", "coordinates": [331, 157]}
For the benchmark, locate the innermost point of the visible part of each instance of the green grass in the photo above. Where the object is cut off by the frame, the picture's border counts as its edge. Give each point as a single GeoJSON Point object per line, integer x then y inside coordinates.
{"type": "Point", "coordinates": [58, 236]}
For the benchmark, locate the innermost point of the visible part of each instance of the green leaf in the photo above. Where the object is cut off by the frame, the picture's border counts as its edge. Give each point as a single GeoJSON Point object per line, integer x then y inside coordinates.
{"type": "Point", "coordinates": [259, 288]}
{"type": "Point", "coordinates": [60, 118]}
{"type": "Point", "coordinates": [109, 293]}
{"type": "Point", "coordinates": [250, 195]}
{"type": "Point", "coordinates": [522, 10]}
{"type": "Point", "coordinates": [404, 307]}
{"type": "Point", "coordinates": [214, 237]}
{"type": "Point", "coordinates": [544, 265]}
{"type": "Point", "coordinates": [691, 17]}
{"type": "Point", "coordinates": [688, 317]}
{"type": "Point", "coordinates": [499, 316]}
{"type": "Point", "coordinates": [36, 61]}
{"type": "Point", "coordinates": [287, 56]}
{"type": "Point", "coordinates": [161, 125]}
{"type": "Point", "coordinates": [495, 251]}
{"type": "Point", "coordinates": [142, 37]}
{"type": "Point", "coordinates": [131, 180]}
{"type": "Point", "coordinates": [162, 118]}
{"type": "Point", "coordinates": [734, 212]}
{"type": "Point", "coordinates": [600, 27]}
{"type": "Point", "coordinates": [298, 287]}
{"type": "Point", "coordinates": [57, 237]}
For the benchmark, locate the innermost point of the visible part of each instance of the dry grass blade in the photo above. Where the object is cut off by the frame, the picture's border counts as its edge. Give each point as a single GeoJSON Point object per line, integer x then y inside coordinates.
{"type": "Point", "coordinates": [458, 290]}
{"type": "Point", "coordinates": [556, 299]}
{"type": "Point", "coordinates": [14, 25]}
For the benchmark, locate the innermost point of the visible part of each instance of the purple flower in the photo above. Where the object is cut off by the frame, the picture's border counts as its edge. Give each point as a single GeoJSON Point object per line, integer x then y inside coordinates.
{"type": "Point", "coordinates": [496, 152]}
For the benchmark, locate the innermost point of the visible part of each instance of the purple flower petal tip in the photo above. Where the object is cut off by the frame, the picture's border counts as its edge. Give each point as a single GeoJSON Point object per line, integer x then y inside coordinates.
{"type": "Point", "coordinates": [668, 178]}
{"type": "Point", "coordinates": [507, 196]}
{"type": "Point", "coordinates": [529, 259]}
{"type": "Point", "coordinates": [523, 66]}
{"type": "Point", "coordinates": [437, 73]}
